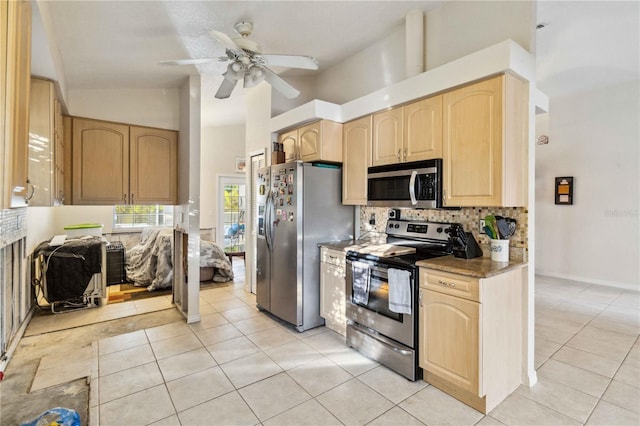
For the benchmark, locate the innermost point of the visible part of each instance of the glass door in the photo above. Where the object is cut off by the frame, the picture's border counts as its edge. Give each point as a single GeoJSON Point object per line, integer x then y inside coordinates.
{"type": "Point", "coordinates": [233, 214]}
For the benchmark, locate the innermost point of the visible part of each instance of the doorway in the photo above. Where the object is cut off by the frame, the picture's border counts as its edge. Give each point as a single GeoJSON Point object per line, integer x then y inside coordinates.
{"type": "Point", "coordinates": [232, 213]}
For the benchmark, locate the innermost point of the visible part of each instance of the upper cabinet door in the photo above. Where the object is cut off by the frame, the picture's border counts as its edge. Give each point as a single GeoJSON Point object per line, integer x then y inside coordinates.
{"type": "Point", "coordinates": [473, 144]}
{"type": "Point", "coordinates": [387, 147]}
{"type": "Point", "coordinates": [423, 129]}
{"type": "Point", "coordinates": [100, 162]}
{"type": "Point", "coordinates": [153, 166]}
{"type": "Point", "coordinates": [356, 160]}
{"type": "Point", "coordinates": [485, 144]}
{"type": "Point", "coordinates": [15, 79]}
{"type": "Point", "coordinates": [42, 142]}
{"type": "Point", "coordinates": [309, 142]}
{"type": "Point", "coordinates": [289, 142]}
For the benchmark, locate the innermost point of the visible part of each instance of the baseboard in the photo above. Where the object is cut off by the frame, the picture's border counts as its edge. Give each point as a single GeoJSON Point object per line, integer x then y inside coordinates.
{"type": "Point", "coordinates": [616, 284]}
{"type": "Point", "coordinates": [530, 378]}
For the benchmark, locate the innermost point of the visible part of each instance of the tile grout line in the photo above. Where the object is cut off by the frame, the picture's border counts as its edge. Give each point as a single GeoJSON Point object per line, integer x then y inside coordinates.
{"type": "Point", "coordinates": [610, 380]}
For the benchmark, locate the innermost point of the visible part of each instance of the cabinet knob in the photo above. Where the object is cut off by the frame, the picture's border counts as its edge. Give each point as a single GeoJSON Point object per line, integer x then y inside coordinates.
{"type": "Point", "coordinates": [404, 153]}
{"type": "Point", "coordinates": [420, 298]}
{"type": "Point", "coordinates": [398, 154]}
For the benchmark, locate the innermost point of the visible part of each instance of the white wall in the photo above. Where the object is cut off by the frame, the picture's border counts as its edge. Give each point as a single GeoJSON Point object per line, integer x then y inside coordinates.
{"type": "Point", "coordinates": [40, 226]}
{"type": "Point", "coordinates": [71, 215]}
{"type": "Point", "coordinates": [219, 148]}
{"type": "Point", "coordinates": [452, 31]}
{"type": "Point", "coordinates": [594, 138]}
{"type": "Point", "coordinates": [370, 69]}
{"type": "Point", "coordinates": [459, 28]}
{"type": "Point", "coordinates": [145, 107]}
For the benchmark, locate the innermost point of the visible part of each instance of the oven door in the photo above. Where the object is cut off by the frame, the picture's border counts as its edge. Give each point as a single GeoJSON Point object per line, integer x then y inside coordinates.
{"type": "Point", "coordinates": [375, 314]}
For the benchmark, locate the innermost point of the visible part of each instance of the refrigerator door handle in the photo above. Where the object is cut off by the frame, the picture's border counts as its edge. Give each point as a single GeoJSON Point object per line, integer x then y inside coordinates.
{"type": "Point", "coordinates": [269, 224]}
{"type": "Point", "coordinates": [267, 220]}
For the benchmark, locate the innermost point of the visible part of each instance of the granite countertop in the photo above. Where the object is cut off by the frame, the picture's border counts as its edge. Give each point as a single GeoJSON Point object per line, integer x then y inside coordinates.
{"type": "Point", "coordinates": [480, 267]}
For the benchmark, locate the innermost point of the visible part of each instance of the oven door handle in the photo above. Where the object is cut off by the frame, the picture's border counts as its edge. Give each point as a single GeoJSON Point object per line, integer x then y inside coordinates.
{"type": "Point", "coordinates": [382, 271]}
{"type": "Point", "coordinates": [412, 188]}
{"type": "Point", "coordinates": [376, 338]}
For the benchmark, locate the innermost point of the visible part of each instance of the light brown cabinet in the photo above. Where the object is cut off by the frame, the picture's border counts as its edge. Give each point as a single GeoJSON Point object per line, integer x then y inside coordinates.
{"type": "Point", "coordinates": [289, 141]}
{"type": "Point", "coordinates": [153, 166]}
{"type": "Point", "coordinates": [332, 289]}
{"type": "Point", "coordinates": [412, 132]}
{"type": "Point", "coordinates": [484, 144]}
{"type": "Point", "coordinates": [15, 78]}
{"type": "Point", "coordinates": [356, 159]}
{"type": "Point", "coordinates": [470, 335]}
{"type": "Point", "coordinates": [46, 145]}
{"type": "Point", "coordinates": [318, 141]}
{"type": "Point", "coordinates": [120, 164]}
{"type": "Point", "coordinates": [387, 137]}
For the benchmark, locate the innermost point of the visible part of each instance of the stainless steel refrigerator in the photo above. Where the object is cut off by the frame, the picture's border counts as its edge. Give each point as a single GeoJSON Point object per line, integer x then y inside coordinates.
{"type": "Point", "coordinates": [299, 206]}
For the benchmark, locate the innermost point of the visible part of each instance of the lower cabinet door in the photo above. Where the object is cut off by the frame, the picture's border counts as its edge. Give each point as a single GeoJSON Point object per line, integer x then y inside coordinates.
{"type": "Point", "coordinates": [449, 339]}
{"type": "Point", "coordinates": [332, 297]}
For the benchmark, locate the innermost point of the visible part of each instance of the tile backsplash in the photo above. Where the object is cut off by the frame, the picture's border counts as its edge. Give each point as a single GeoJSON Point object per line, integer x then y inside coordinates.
{"type": "Point", "coordinates": [469, 218]}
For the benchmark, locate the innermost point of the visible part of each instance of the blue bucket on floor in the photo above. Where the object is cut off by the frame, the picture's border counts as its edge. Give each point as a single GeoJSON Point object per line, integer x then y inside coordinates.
{"type": "Point", "coordinates": [62, 417]}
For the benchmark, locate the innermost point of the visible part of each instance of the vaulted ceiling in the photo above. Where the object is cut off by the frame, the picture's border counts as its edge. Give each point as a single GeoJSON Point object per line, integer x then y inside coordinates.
{"type": "Point", "coordinates": [118, 44]}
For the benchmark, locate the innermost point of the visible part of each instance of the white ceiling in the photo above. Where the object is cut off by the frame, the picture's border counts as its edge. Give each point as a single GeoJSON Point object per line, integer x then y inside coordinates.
{"type": "Point", "coordinates": [109, 44]}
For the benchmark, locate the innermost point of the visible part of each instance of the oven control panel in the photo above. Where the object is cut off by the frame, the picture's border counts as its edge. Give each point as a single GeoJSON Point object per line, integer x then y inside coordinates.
{"type": "Point", "coordinates": [421, 230]}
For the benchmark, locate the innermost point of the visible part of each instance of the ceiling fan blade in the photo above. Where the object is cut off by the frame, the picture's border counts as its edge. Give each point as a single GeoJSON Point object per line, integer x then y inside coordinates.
{"type": "Point", "coordinates": [225, 40]}
{"type": "Point", "coordinates": [290, 61]}
{"type": "Point", "coordinates": [226, 87]}
{"type": "Point", "coordinates": [192, 61]}
{"type": "Point", "coordinates": [279, 84]}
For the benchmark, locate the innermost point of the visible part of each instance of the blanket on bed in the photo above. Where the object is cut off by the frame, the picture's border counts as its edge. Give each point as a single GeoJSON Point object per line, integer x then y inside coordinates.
{"type": "Point", "coordinates": [212, 255]}
{"type": "Point", "coordinates": [150, 263]}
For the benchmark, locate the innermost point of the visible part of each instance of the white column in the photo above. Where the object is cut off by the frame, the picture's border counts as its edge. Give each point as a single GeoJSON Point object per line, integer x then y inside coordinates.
{"type": "Point", "coordinates": [414, 43]}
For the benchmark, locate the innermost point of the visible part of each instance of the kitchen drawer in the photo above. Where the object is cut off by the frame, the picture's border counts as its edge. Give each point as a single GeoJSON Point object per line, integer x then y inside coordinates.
{"type": "Point", "coordinates": [333, 257]}
{"type": "Point", "coordinates": [453, 284]}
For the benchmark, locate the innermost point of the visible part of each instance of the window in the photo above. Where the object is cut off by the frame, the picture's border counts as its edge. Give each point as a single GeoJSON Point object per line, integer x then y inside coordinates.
{"type": "Point", "coordinates": [137, 217]}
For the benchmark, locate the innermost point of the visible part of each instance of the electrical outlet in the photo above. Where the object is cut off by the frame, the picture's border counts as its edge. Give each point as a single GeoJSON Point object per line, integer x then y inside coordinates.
{"type": "Point", "coordinates": [372, 220]}
{"type": "Point", "coordinates": [482, 226]}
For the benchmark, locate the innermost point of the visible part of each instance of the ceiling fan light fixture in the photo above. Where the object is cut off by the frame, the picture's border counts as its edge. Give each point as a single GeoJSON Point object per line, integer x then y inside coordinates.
{"type": "Point", "coordinates": [235, 70]}
{"type": "Point", "coordinates": [254, 76]}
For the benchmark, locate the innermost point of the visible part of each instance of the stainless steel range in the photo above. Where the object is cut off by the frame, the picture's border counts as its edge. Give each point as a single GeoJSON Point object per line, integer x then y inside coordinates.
{"type": "Point", "coordinates": [382, 293]}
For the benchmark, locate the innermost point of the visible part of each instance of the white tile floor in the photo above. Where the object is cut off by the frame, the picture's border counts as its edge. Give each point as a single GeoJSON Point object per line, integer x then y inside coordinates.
{"type": "Point", "coordinates": [239, 366]}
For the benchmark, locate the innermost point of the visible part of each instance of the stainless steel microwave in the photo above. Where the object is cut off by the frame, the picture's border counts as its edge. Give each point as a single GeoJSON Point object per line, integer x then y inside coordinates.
{"type": "Point", "coordinates": [415, 185]}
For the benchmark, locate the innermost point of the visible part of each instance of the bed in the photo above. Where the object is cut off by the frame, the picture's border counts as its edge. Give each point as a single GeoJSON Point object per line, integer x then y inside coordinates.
{"type": "Point", "coordinates": [150, 262]}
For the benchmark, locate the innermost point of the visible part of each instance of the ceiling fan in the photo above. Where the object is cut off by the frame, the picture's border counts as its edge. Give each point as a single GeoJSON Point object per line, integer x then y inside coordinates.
{"type": "Point", "coordinates": [249, 64]}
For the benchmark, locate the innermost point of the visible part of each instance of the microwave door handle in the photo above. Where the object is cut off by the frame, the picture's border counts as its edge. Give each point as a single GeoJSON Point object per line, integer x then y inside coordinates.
{"type": "Point", "coordinates": [412, 187]}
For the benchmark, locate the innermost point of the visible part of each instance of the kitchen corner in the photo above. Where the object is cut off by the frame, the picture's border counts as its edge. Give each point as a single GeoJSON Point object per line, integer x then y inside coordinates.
{"type": "Point", "coordinates": [480, 267]}
{"type": "Point", "coordinates": [463, 332]}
